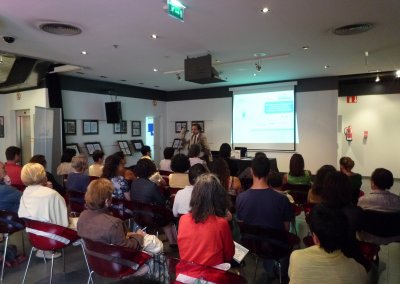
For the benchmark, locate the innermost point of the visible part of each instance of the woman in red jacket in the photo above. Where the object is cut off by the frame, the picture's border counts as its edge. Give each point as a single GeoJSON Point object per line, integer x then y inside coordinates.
{"type": "Point", "coordinates": [204, 236]}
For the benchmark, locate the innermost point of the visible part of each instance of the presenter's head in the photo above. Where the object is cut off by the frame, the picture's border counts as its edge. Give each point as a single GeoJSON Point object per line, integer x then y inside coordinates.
{"type": "Point", "coordinates": [196, 128]}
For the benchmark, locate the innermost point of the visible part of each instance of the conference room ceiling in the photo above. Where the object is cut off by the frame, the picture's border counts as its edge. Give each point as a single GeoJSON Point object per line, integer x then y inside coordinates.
{"type": "Point", "coordinates": [117, 38]}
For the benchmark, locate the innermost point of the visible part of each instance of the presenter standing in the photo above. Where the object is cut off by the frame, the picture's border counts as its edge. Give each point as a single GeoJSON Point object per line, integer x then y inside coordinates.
{"type": "Point", "coordinates": [197, 138]}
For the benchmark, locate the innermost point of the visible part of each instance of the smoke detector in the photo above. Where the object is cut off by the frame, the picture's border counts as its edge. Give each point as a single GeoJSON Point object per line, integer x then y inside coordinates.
{"type": "Point", "coordinates": [353, 29]}
{"type": "Point", "coordinates": [60, 29]}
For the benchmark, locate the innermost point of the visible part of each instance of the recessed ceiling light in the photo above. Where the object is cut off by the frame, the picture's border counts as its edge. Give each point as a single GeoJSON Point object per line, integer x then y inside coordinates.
{"type": "Point", "coordinates": [264, 10]}
{"type": "Point", "coordinates": [326, 66]}
{"type": "Point", "coordinates": [155, 70]}
{"type": "Point", "coordinates": [84, 52]}
{"type": "Point", "coordinates": [154, 36]}
{"type": "Point", "coordinates": [259, 54]}
{"type": "Point", "coordinates": [305, 47]}
{"type": "Point", "coordinates": [255, 74]}
{"type": "Point", "coordinates": [397, 73]}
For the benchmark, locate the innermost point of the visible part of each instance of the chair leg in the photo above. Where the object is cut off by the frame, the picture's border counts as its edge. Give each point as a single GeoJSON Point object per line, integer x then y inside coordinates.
{"type": "Point", "coordinates": [23, 243]}
{"type": "Point", "coordinates": [4, 257]}
{"type": "Point", "coordinates": [90, 277]}
{"type": "Point", "coordinates": [84, 255]}
{"type": "Point", "coordinates": [255, 269]}
{"type": "Point", "coordinates": [51, 269]}
{"type": "Point", "coordinates": [280, 272]}
{"type": "Point", "coordinates": [29, 261]}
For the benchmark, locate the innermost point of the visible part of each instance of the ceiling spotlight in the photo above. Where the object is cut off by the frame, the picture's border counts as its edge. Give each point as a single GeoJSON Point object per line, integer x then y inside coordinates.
{"type": "Point", "coordinates": [326, 66]}
{"type": "Point", "coordinates": [178, 76]}
{"type": "Point", "coordinates": [264, 10]}
{"type": "Point", "coordinates": [154, 36]}
{"type": "Point", "coordinates": [84, 52]}
{"type": "Point", "coordinates": [306, 47]}
{"type": "Point", "coordinates": [377, 79]}
{"type": "Point", "coordinates": [258, 66]}
{"type": "Point", "coordinates": [397, 73]}
{"type": "Point", "coordinates": [155, 70]}
{"type": "Point", "coordinates": [255, 74]}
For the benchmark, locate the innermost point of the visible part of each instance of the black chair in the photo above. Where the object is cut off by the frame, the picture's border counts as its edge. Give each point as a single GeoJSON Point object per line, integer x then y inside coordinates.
{"type": "Point", "coordinates": [299, 192]}
{"type": "Point", "coordinates": [267, 243]}
{"type": "Point", "coordinates": [381, 224]}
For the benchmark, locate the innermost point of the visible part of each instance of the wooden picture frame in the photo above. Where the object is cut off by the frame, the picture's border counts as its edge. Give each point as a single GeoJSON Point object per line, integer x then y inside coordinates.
{"type": "Point", "coordinates": [124, 147]}
{"type": "Point", "coordinates": [90, 127]}
{"type": "Point", "coordinates": [74, 146]}
{"type": "Point", "coordinates": [1, 126]}
{"type": "Point", "coordinates": [137, 145]}
{"type": "Point", "coordinates": [179, 125]}
{"type": "Point", "coordinates": [92, 146]}
{"type": "Point", "coordinates": [136, 128]}
{"type": "Point", "coordinates": [121, 128]}
{"type": "Point", "coordinates": [200, 122]}
{"type": "Point", "coordinates": [69, 126]}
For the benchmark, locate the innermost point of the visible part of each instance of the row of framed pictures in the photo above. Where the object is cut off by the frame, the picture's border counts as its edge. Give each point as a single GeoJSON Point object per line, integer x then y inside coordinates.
{"type": "Point", "coordinates": [91, 127]}
{"type": "Point", "coordinates": [184, 124]}
{"type": "Point", "coordinates": [122, 144]}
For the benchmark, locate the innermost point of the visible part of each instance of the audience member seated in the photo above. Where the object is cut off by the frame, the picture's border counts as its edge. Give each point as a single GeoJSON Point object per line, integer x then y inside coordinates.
{"type": "Point", "coordinates": [204, 235]}
{"type": "Point", "coordinates": [325, 262]}
{"type": "Point", "coordinates": [264, 207]}
{"type": "Point", "coordinates": [380, 199]}
{"type": "Point", "coordinates": [230, 183]}
{"type": "Point", "coordinates": [13, 169]}
{"type": "Point", "coordinates": [146, 152]}
{"type": "Point", "coordinates": [113, 171]}
{"type": "Point", "coordinates": [41, 203]}
{"type": "Point", "coordinates": [297, 174]}
{"type": "Point", "coordinates": [274, 181]}
{"type": "Point", "coordinates": [9, 196]}
{"type": "Point", "coordinates": [182, 198]}
{"type": "Point", "coordinates": [314, 194]}
{"type": "Point", "coordinates": [225, 151]}
{"type": "Point", "coordinates": [51, 181]}
{"type": "Point", "coordinates": [165, 164]}
{"type": "Point", "coordinates": [78, 180]}
{"type": "Point", "coordinates": [336, 194]}
{"type": "Point", "coordinates": [194, 153]}
{"type": "Point", "coordinates": [180, 165]}
{"type": "Point", "coordinates": [65, 168]}
{"type": "Point", "coordinates": [346, 165]}
{"type": "Point", "coordinates": [247, 174]}
{"type": "Point", "coordinates": [96, 169]}
{"type": "Point", "coordinates": [146, 191]}
{"type": "Point", "coordinates": [128, 173]}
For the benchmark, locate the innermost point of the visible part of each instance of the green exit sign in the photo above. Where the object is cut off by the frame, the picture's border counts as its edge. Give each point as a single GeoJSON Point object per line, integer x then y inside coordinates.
{"type": "Point", "coordinates": [176, 9]}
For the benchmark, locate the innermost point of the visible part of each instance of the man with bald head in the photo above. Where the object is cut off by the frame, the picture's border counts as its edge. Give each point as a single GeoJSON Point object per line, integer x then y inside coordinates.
{"type": "Point", "coordinates": [9, 196]}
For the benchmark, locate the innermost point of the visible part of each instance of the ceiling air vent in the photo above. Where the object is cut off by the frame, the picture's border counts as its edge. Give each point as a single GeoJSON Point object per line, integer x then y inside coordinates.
{"type": "Point", "coordinates": [60, 29]}
{"type": "Point", "coordinates": [353, 29]}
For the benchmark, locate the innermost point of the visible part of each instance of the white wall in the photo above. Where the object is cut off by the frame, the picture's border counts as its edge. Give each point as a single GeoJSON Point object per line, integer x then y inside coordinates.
{"type": "Point", "coordinates": [81, 106]}
{"type": "Point", "coordinates": [9, 103]}
{"type": "Point", "coordinates": [380, 116]}
{"type": "Point", "coordinates": [317, 122]}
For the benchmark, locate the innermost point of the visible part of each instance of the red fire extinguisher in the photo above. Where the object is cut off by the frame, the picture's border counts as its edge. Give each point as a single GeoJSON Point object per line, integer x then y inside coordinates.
{"type": "Point", "coordinates": [348, 133]}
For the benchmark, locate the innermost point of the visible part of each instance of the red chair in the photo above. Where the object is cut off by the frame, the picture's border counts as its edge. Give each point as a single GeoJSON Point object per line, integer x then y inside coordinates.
{"type": "Point", "coordinates": [76, 202]}
{"type": "Point", "coordinates": [113, 261]}
{"type": "Point", "coordinates": [204, 273]}
{"type": "Point", "coordinates": [9, 224]}
{"type": "Point", "coordinates": [49, 237]}
{"type": "Point", "coordinates": [267, 243]}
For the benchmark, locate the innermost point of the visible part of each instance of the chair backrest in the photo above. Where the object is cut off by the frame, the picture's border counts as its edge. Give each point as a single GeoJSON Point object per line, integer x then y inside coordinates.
{"type": "Point", "coordinates": [113, 261]}
{"type": "Point", "coordinates": [76, 201]}
{"type": "Point", "coordinates": [151, 215]}
{"type": "Point", "coordinates": [299, 192]}
{"type": "Point", "coordinates": [122, 209]}
{"type": "Point", "coordinates": [265, 242]}
{"type": "Point", "coordinates": [10, 222]}
{"type": "Point", "coordinates": [47, 236]}
{"type": "Point", "coordinates": [382, 224]}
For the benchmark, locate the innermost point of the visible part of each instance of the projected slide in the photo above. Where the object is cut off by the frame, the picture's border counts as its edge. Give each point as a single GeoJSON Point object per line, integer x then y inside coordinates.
{"type": "Point", "coordinates": [264, 120]}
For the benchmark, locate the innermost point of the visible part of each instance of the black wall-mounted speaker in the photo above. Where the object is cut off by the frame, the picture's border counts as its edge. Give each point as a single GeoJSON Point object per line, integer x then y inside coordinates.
{"type": "Point", "coordinates": [113, 112]}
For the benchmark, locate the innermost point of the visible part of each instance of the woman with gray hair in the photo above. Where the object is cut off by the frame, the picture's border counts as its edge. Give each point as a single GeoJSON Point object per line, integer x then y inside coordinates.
{"type": "Point", "coordinates": [78, 180]}
{"type": "Point", "coordinates": [39, 202]}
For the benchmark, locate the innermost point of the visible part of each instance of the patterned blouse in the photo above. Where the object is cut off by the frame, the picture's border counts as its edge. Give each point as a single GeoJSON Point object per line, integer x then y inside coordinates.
{"type": "Point", "coordinates": [120, 187]}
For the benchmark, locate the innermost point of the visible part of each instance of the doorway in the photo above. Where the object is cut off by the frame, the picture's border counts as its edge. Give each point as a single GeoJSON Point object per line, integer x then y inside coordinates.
{"type": "Point", "coordinates": [24, 140]}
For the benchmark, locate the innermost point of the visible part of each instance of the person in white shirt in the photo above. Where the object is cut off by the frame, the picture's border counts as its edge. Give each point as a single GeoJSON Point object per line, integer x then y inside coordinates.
{"type": "Point", "coordinates": [182, 199]}
{"type": "Point", "coordinates": [165, 164]}
{"type": "Point", "coordinates": [194, 153]}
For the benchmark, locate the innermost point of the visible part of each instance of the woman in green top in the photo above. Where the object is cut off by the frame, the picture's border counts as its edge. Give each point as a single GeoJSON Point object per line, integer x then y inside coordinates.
{"type": "Point", "coordinates": [346, 165]}
{"type": "Point", "coordinates": [297, 174]}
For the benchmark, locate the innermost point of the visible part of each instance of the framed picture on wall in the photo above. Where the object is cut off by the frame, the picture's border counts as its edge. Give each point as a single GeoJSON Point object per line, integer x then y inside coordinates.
{"type": "Point", "coordinates": [124, 147]}
{"type": "Point", "coordinates": [1, 126]}
{"type": "Point", "coordinates": [74, 146]}
{"type": "Point", "coordinates": [70, 127]}
{"type": "Point", "coordinates": [136, 128]}
{"type": "Point", "coordinates": [177, 144]}
{"type": "Point", "coordinates": [137, 144]}
{"type": "Point", "coordinates": [199, 122]}
{"type": "Point", "coordinates": [90, 127]}
{"type": "Point", "coordinates": [121, 128]}
{"type": "Point", "coordinates": [179, 125]}
{"type": "Point", "coordinates": [92, 146]}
